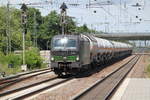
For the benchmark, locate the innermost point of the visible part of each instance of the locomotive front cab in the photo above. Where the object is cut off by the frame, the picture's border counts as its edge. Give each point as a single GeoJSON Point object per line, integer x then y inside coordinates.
{"type": "Point", "coordinates": [64, 53]}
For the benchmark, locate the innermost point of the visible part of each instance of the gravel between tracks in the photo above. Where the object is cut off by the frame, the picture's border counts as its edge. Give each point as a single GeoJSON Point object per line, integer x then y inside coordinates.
{"type": "Point", "coordinates": [67, 91]}
{"type": "Point", "coordinates": [139, 69]}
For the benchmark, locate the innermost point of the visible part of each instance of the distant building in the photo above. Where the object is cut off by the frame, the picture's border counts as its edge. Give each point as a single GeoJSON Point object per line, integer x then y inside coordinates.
{"type": "Point", "coordinates": [45, 54]}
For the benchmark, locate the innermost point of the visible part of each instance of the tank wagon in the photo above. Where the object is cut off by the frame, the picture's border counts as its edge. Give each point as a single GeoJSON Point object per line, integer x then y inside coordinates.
{"type": "Point", "coordinates": [71, 53]}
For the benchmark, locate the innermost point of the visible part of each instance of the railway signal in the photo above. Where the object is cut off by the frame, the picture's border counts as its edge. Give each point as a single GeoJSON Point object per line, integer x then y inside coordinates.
{"type": "Point", "coordinates": [24, 17]}
{"type": "Point", "coordinates": [63, 8]}
{"type": "Point", "coordinates": [24, 24]}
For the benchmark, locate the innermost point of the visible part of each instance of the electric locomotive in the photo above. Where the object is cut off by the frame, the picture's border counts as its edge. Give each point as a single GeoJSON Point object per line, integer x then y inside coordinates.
{"type": "Point", "coordinates": [69, 53]}
{"type": "Point", "coordinates": [72, 53]}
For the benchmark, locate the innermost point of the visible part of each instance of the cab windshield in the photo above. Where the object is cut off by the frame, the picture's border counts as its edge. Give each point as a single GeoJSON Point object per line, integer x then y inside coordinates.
{"type": "Point", "coordinates": [64, 43]}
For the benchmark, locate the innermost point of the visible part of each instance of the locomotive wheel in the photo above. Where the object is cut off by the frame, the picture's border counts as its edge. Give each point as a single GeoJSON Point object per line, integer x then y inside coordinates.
{"type": "Point", "coordinates": [58, 72]}
{"type": "Point", "coordinates": [93, 65]}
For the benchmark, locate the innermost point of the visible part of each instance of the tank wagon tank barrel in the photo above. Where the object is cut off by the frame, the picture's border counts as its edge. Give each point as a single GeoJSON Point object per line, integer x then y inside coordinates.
{"type": "Point", "coordinates": [72, 53]}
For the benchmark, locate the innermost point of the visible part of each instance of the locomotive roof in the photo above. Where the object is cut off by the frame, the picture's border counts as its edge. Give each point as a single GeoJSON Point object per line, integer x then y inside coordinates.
{"type": "Point", "coordinates": [66, 35]}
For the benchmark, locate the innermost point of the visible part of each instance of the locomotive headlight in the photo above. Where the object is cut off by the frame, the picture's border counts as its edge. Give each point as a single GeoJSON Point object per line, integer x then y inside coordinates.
{"type": "Point", "coordinates": [64, 58]}
{"type": "Point", "coordinates": [52, 58]}
{"type": "Point", "coordinates": [77, 58]}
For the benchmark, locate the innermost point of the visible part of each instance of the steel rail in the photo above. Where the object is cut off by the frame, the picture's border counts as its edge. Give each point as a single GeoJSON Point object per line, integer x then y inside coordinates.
{"type": "Point", "coordinates": [25, 87]}
{"type": "Point", "coordinates": [86, 91]}
{"type": "Point", "coordinates": [10, 81]}
{"type": "Point", "coordinates": [111, 92]}
{"type": "Point", "coordinates": [27, 94]}
{"type": "Point", "coordinates": [19, 97]}
{"type": "Point", "coordinates": [23, 73]}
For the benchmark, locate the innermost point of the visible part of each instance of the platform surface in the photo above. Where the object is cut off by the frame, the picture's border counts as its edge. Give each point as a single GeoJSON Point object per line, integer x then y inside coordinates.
{"type": "Point", "coordinates": [133, 89]}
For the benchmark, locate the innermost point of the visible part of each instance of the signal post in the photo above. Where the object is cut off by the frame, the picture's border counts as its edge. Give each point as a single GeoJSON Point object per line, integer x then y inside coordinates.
{"type": "Point", "coordinates": [24, 25]}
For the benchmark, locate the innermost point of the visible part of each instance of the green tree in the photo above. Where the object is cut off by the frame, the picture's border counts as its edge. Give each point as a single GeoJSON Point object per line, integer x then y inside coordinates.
{"type": "Point", "coordinates": [34, 22]}
{"type": "Point", "coordinates": [83, 29]}
{"type": "Point", "coordinates": [14, 28]}
{"type": "Point", "coordinates": [44, 28]}
{"type": "Point", "coordinates": [71, 25]}
{"type": "Point", "coordinates": [48, 29]}
{"type": "Point", "coordinates": [3, 38]}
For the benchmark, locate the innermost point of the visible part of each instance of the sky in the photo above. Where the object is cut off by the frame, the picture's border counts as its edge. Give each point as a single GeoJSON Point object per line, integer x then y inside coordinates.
{"type": "Point", "coordinates": [121, 16]}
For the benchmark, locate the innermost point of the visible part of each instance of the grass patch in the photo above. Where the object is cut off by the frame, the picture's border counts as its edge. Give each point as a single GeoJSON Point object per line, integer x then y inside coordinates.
{"type": "Point", "coordinates": [148, 70]}
{"type": "Point", "coordinates": [9, 71]}
{"type": "Point", "coordinates": [14, 60]}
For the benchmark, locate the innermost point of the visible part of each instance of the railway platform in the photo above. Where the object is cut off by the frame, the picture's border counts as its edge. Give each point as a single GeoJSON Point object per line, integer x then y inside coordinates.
{"type": "Point", "coordinates": [133, 89]}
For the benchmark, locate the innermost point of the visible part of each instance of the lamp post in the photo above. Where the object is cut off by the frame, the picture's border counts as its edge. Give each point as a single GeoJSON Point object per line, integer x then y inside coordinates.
{"type": "Point", "coordinates": [24, 24]}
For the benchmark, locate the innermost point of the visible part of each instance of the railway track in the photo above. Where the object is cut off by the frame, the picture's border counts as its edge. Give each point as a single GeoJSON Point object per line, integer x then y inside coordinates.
{"type": "Point", "coordinates": [104, 88]}
{"type": "Point", "coordinates": [5, 82]}
{"type": "Point", "coordinates": [25, 91]}
{"type": "Point", "coordinates": [29, 90]}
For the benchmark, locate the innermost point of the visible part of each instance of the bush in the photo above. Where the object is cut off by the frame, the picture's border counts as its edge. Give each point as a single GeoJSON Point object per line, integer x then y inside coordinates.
{"type": "Point", "coordinates": [13, 59]}
{"type": "Point", "coordinates": [2, 58]}
{"type": "Point", "coordinates": [10, 59]}
{"type": "Point", "coordinates": [33, 59]}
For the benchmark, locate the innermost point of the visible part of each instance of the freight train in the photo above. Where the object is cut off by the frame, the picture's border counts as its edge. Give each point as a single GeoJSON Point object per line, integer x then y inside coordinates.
{"type": "Point", "coordinates": [71, 53]}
